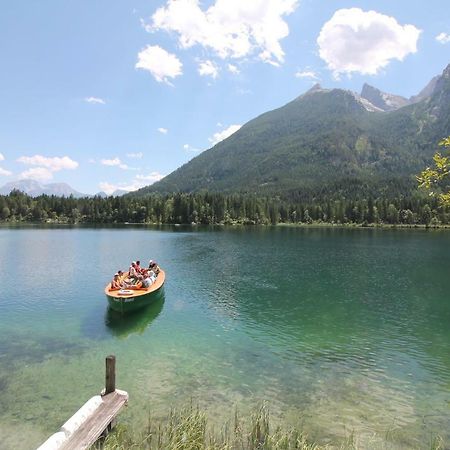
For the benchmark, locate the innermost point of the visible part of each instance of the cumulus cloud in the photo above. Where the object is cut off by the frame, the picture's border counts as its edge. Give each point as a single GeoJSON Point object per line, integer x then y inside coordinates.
{"type": "Point", "coordinates": [208, 68]}
{"type": "Point", "coordinates": [4, 172]}
{"type": "Point", "coordinates": [230, 28]}
{"type": "Point", "coordinates": [160, 63]}
{"type": "Point", "coordinates": [443, 38]}
{"type": "Point", "coordinates": [221, 135]}
{"type": "Point", "coordinates": [95, 100]}
{"type": "Point", "coordinates": [137, 155]}
{"type": "Point", "coordinates": [114, 162]}
{"type": "Point", "coordinates": [233, 69]}
{"type": "Point", "coordinates": [354, 40]}
{"type": "Point", "coordinates": [2, 158]}
{"type": "Point", "coordinates": [37, 173]}
{"type": "Point", "coordinates": [53, 164]}
{"type": "Point", "coordinates": [307, 73]}
{"type": "Point", "coordinates": [163, 130]}
{"type": "Point", "coordinates": [138, 182]}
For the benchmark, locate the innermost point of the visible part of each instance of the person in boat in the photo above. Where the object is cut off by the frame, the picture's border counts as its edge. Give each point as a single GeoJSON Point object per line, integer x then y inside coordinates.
{"type": "Point", "coordinates": [132, 272]}
{"type": "Point", "coordinates": [147, 281]}
{"type": "Point", "coordinates": [138, 267]}
{"type": "Point", "coordinates": [153, 266]}
{"type": "Point", "coordinates": [115, 283]}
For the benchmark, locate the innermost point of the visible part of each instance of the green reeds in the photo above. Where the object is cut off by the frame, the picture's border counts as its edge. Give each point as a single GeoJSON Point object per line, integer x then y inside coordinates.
{"type": "Point", "coordinates": [188, 429]}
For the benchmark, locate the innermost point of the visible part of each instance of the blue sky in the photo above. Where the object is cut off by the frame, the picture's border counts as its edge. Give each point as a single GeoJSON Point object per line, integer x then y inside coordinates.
{"type": "Point", "coordinates": [115, 94]}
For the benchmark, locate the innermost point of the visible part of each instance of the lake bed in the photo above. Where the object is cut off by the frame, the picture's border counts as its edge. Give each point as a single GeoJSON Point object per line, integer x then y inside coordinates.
{"type": "Point", "coordinates": [346, 329]}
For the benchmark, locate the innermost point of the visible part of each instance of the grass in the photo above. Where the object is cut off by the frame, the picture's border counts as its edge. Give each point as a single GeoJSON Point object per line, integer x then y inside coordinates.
{"type": "Point", "coordinates": [188, 429]}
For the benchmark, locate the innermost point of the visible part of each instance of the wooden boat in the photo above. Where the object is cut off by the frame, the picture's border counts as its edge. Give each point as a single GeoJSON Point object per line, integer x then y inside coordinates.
{"type": "Point", "coordinates": [126, 300]}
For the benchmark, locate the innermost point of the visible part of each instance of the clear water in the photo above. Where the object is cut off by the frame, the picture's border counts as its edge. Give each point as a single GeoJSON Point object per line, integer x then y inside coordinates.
{"type": "Point", "coordinates": [347, 329]}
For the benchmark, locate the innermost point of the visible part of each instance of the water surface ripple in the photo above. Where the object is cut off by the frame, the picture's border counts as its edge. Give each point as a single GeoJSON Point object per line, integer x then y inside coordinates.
{"type": "Point", "coordinates": [345, 330]}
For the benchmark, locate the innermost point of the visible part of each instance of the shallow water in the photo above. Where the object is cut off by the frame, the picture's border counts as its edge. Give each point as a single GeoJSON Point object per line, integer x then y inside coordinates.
{"type": "Point", "coordinates": [348, 330]}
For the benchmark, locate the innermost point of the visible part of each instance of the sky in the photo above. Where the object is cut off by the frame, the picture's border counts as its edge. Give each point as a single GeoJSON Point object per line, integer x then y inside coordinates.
{"type": "Point", "coordinates": [107, 95]}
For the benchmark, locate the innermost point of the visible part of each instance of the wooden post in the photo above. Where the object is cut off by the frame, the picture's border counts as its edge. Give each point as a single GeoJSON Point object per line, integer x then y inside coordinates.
{"type": "Point", "coordinates": [110, 377]}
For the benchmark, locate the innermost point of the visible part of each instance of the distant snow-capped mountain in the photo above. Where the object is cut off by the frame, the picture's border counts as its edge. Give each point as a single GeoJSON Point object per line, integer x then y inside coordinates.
{"type": "Point", "coordinates": [34, 189]}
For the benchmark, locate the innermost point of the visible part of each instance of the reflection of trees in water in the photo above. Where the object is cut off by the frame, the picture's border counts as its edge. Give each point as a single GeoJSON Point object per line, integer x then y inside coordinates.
{"type": "Point", "coordinates": [135, 322]}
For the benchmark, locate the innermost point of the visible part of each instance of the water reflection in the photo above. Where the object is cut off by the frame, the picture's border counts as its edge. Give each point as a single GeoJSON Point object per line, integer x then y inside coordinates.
{"type": "Point", "coordinates": [135, 322]}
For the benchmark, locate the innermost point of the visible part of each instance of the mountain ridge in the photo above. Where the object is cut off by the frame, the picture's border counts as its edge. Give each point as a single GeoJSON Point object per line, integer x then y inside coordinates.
{"type": "Point", "coordinates": [321, 139]}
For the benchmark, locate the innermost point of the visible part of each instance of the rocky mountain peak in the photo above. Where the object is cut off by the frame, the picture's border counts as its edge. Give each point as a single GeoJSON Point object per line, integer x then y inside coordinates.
{"type": "Point", "coordinates": [383, 100]}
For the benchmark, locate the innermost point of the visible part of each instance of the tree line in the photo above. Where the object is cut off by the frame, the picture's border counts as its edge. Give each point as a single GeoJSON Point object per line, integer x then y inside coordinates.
{"type": "Point", "coordinates": [216, 208]}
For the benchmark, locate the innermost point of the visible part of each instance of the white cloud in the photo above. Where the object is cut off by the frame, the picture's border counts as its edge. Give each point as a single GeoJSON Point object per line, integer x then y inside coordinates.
{"type": "Point", "coordinates": [4, 172]}
{"type": "Point", "coordinates": [139, 182]}
{"type": "Point", "coordinates": [53, 164]}
{"type": "Point", "coordinates": [160, 63]}
{"type": "Point", "coordinates": [37, 173]}
{"type": "Point", "coordinates": [152, 177]}
{"type": "Point", "coordinates": [306, 74]}
{"type": "Point", "coordinates": [114, 162]}
{"type": "Point", "coordinates": [163, 130]}
{"type": "Point", "coordinates": [111, 162]}
{"type": "Point", "coordinates": [2, 158]}
{"type": "Point", "coordinates": [221, 135]}
{"type": "Point", "coordinates": [137, 155]}
{"type": "Point", "coordinates": [189, 148]}
{"type": "Point", "coordinates": [354, 40]}
{"type": "Point", "coordinates": [208, 68]}
{"type": "Point", "coordinates": [95, 100]}
{"type": "Point", "coordinates": [230, 28]}
{"type": "Point", "coordinates": [443, 38]}
{"type": "Point", "coordinates": [233, 69]}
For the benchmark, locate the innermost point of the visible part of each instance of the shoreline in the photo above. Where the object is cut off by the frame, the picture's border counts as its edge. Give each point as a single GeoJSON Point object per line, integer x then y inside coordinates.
{"type": "Point", "coordinates": [323, 225]}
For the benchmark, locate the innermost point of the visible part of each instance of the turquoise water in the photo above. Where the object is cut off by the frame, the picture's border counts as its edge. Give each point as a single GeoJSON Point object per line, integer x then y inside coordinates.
{"type": "Point", "coordinates": [347, 329]}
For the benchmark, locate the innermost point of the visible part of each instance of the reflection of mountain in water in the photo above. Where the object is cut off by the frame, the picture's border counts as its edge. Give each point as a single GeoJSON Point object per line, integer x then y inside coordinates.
{"type": "Point", "coordinates": [136, 322]}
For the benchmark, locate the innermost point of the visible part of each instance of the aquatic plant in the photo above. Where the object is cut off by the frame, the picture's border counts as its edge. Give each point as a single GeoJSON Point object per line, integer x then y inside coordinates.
{"type": "Point", "coordinates": [188, 428]}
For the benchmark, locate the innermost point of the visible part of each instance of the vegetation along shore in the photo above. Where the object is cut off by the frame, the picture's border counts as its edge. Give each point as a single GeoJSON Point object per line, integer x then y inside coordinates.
{"type": "Point", "coordinates": [218, 208]}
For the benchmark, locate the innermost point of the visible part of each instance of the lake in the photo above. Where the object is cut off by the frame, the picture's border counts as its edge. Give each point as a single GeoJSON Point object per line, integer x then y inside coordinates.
{"type": "Point", "coordinates": [343, 329]}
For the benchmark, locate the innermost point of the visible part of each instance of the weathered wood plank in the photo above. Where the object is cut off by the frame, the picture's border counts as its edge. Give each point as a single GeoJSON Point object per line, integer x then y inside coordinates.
{"type": "Point", "coordinates": [91, 429]}
{"type": "Point", "coordinates": [110, 374]}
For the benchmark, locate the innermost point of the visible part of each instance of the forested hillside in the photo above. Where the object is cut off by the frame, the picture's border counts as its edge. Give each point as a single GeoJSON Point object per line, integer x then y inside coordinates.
{"type": "Point", "coordinates": [325, 143]}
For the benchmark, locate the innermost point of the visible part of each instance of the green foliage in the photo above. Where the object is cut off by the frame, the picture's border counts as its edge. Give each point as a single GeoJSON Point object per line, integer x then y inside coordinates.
{"type": "Point", "coordinates": [435, 178]}
{"type": "Point", "coordinates": [189, 429]}
{"type": "Point", "coordinates": [227, 209]}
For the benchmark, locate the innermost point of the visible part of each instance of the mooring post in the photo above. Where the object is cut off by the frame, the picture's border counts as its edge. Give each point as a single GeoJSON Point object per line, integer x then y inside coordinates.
{"type": "Point", "coordinates": [110, 377]}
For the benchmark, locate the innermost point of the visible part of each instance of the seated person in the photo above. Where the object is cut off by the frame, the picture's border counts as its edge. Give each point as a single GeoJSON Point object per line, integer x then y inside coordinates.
{"type": "Point", "coordinates": [152, 275]}
{"type": "Point", "coordinates": [115, 283]}
{"type": "Point", "coordinates": [154, 267]}
{"type": "Point", "coordinates": [133, 274]}
{"type": "Point", "coordinates": [147, 281]}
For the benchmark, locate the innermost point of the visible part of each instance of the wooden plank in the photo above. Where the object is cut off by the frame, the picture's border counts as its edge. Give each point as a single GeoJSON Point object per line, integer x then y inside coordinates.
{"type": "Point", "coordinates": [88, 433]}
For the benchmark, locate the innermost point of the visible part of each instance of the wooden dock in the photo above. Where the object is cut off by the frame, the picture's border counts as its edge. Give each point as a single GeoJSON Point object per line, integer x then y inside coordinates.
{"type": "Point", "coordinates": [94, 419]}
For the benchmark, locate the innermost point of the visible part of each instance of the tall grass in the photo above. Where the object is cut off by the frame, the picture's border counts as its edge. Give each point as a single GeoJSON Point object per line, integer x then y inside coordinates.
{"type": "Point", "coordinates": [188, 429]}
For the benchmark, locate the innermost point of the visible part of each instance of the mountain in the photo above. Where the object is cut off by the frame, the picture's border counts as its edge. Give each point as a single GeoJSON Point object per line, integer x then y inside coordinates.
{"type": "Point", "coordinates": [34, 189]}
{"type": "Point", "coordinates": [325, 141]}
{"type": "Point", "coordinates": [426, 92]}
{"type": "Point", "coordinates": [383, 100]}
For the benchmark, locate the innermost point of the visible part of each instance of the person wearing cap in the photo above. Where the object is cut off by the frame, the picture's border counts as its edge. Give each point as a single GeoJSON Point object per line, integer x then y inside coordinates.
{"type": "Point", "coordinates": [115, 283]}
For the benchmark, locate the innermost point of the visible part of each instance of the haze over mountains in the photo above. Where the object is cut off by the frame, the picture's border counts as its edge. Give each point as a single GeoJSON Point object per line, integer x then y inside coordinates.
{"type": "Point", "coordinates": [34, 189]}
{"type": "Point", "coordinates": [326, 140]}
